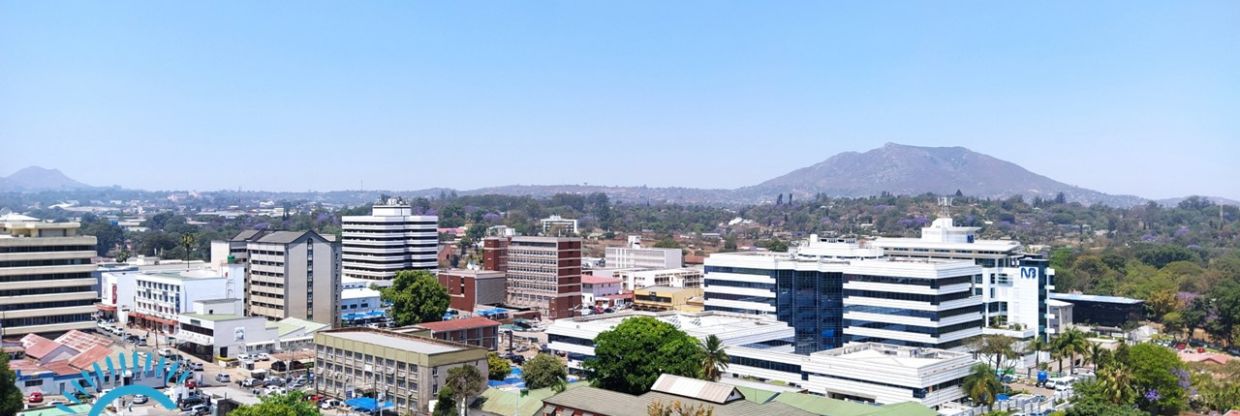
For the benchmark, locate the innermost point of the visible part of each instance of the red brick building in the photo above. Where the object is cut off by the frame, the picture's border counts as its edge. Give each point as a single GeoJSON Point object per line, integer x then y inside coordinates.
{"type": "Point", "coordinates": [477, 331]}
{"type": "Point", "coordinates": [467, 288]}
{"type": "Point", "coordinates": [495, 254]}
{"type": "Point", "coordinates": [544, 273]}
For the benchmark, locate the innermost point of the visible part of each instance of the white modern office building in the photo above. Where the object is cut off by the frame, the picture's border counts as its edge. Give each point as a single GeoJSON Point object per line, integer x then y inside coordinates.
{"type": "Point", "coordinates": [866, 372]}
{"type": "Point", "coordinates": [634, 255]}
{"type": "Point", "coordinates": [219, 328]}
{"type": "Point", "coordinates": [834, 292]}
{"type": "Point", "coordinates": [557, 226]}
{"type": "Point", "coordinates": [1015, 285]}
{"type": "Point", "coordinates": [388, 240]}
{"type": "Point", "coordinates": [759, 348]}
{"type": "Point", "coordinates": [158, 298]}
{"type": "Point", "coordinates": [574, 337]}
{"type": "Point", "coordinates": [47, 284]}
{"type": "Point", "coordinates": [359, 304]}
{"type": "Point", "coordinates": [640, 278]}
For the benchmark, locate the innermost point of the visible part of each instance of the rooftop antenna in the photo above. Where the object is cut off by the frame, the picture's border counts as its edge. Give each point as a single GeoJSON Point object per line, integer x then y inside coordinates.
{"type": "Point", "coordinates": [945, 207]}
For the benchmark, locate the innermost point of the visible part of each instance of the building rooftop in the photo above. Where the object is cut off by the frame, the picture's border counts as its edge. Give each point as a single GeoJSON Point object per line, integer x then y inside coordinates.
{"type": "Point", "coordinates": [288, 325]}
{"type": "Point", "coordinates": [1077, 297]}
{"type": "Point", "coordinates": [606, 402]}
{"type": "Point", "coordinates": [599, 280]}
{"type": "Point", "coordinates": [890, 355]}
{"type": "Point", "coordinates": [216, 317]}
{"type": "Point", "coordinates": [697, 324]}
{"type": "Point", "coordinates": [218, 300]}
{"type": "Point", "coordinates": [478, 274]}
{"type": "Point", "coordinates": [458, 324]}
{"type": "Point", "coordinates": [285, 237]}
{"type": "Point", "coordinates": [395, 340]}
{"type": "Point", "coordinates": [710, 391]}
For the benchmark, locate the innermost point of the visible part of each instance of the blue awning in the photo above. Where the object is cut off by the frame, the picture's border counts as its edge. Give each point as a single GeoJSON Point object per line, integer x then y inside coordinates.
{"type": "Point", "coordinates": [365, 404]}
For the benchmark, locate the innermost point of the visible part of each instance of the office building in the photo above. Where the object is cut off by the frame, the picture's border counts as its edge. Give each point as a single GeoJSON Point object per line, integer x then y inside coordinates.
{"type": "Point", "coordinates": [647, 258]}
{"type": "Point", "coordinates": [359, 304]}
{"type": "Point", "coordinates": [293, 274]}
{"type": "Point", "coordinates": [47, 285]}
{"type": "Point", "coordinates": [556, 226]}
{"type": "Point", "coordinates": [477, 331]}
{"type": "Point", "coordinates": [637, 279]}
{"type": "Point", "coordinates": [406, 370]}
{"type": "Point", "coordinates": [219, 328]}
{"type": "Point", "coordinates": [495, 253]}
{"type": "Point", "coordinates": [834, 292]}
{"type": "Point", "coordinates": [544, 273]}
{"type": "Point", "coordinates": [234, 250]}
{"type": "Point", "coordinates": [469, 288]}
{"type": "Point", "coordinates": [595, 287]}
{"type": "Point", "coordinates": [574, 338]}
{"type": "Point", "coordinates": [160, 297]}
{"type": "Point", "coordinates": [1111, 311]}
{"type": "Point", "coordinates": [1015, 285]}
{"type": "Point", "coordinates": [389, 240]}
{"type": "Point", "coordinates": [664, 298]}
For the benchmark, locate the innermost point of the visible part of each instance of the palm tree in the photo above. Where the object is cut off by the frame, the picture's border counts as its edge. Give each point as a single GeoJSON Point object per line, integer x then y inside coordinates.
{"type": "Point", "coordinates": [1095, 353]}
{"type": "Point", "coordinates": [187, 242]}
{"type": "Point", "coordinates": [716, 360]}
{"type": "Point", "coordinates": [1116, 382]}
{"type": "Point", "coordinates": [982, 386]}
{"type": "Point", "coordinates": [1070, 343]}
{"type": "Point", "coordinates": [1035, 347]}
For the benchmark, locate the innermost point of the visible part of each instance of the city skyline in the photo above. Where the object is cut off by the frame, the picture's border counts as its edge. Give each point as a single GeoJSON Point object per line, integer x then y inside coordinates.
{"type": "Point", "coordinates": [397, 96]}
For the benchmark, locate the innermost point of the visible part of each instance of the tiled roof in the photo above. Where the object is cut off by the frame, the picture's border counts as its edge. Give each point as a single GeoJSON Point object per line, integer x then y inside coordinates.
{"type": "Point", "coordinates": [458, 324]}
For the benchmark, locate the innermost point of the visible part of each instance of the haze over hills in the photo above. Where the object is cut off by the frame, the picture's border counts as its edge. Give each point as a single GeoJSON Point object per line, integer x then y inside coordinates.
{"type": "Point", "coordinates": [34, 178]}
{"type": "Point", "coordinates": [893, 168]}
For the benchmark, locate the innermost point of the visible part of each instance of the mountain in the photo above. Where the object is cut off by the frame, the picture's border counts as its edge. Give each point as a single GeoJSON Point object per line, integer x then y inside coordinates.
{"type": "Point", "coordinates": [34, 178]}
{"type": "Point", "coordinates": [912, 170]}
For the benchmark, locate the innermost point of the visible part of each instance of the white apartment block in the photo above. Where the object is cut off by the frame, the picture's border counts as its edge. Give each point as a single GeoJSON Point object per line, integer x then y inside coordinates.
{"type": "Point", "coordinates": [47, 284]}
{"type": "Point", "coordinates": [557, 226]}
{"type": "Point", "coordinates": [293, 275]}
{"type": "Point", "coordinates": [646, 258]}
{"type": "Point", "coordinates": [641, 278]}
{"type": "Point", "coordinates": [160, 297]}
{"type": "Point", "coordinates": [389, 240]}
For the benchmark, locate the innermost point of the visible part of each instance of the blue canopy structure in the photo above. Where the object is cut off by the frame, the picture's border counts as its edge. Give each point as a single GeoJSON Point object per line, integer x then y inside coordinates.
{"type": "Point", "coordinates": [366, 404]}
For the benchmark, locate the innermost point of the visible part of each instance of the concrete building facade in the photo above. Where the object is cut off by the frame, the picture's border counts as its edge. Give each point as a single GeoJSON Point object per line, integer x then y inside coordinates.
{"type": "Point", "coordinates": [389, 240]}
{"type": "Point", "coordinates": [544, 273]}
{"type": "Point", "coordinates": [294, 275]}
{"type": "Point", "coordinates": [469, 288]}
{"type": "Point", "coordinates": [47, 285]}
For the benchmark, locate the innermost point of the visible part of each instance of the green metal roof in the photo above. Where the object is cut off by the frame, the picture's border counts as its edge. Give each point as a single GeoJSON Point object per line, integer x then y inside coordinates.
{"type": "Point", "coordinates": [503, 402]}
{"type": "Point", "coordinates": [833, 407]}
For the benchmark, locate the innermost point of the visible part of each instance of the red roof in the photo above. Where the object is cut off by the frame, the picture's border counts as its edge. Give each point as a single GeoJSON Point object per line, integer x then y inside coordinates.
{"type": "Point", "coordinates": [41, 348]}
{"type": "Point", "coordinates": [31, 339]}
{"type": "Point", "coordinates": [625, 295]}
{"type": "Point", "coordinates": [695, 259]}
{"type": "Point", "coordinates": [82, 341]}
{"type": "Point", "coordinates": [458, 324]}
{"type": "Point", "coordinates": [83, 360]}
{"type": "Point", "coordinates": [599, 280]}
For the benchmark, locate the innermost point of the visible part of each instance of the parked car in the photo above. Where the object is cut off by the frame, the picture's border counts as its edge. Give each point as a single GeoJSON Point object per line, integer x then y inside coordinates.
{"type": "Point", "coordinates": [329, 404]}
{"type": "Point", "coordinates": [201, 409]}
{"type": "Point", "coordinates": [262, 356]}
{"type": "Point", "coordinates": [245, 357]}
{"type": "Point", "coordinates": [223, 378]}
{"type": "Point", "coordinates": [191, 401]}
{"type": "Point", "coordinates": [140, 399]}
{"type": "Point", "coordinates": [249, 382]}
{"type": "Point", "coordinates": [517, 359]}
{"type": "Point", "coordinates": [274, 381]}
{"type": "Point", "coordinates": [35, 397]}
{"type": "Point", "coordinates": [194, 366]}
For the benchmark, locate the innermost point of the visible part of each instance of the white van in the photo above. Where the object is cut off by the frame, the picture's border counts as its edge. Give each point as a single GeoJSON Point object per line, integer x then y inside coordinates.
{"type": "Point", "coordinates": [1060, 383]}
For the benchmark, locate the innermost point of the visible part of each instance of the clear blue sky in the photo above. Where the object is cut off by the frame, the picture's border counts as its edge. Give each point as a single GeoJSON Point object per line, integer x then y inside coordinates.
{"type": "Point", "coordinates": [1139, 97]}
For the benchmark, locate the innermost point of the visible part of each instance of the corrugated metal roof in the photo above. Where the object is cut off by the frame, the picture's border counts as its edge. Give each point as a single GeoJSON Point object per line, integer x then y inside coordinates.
{"type": "Point", "coordinates": [697, 389]}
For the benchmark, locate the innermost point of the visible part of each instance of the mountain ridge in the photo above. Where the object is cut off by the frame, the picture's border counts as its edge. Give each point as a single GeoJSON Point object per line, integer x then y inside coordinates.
{"type": "Point", "coordinates": [37, 178]}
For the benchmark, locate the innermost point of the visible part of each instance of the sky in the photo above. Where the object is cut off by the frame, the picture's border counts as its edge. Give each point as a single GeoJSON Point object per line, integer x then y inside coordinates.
{"type": "Point", "coordinates": [1131, 97]}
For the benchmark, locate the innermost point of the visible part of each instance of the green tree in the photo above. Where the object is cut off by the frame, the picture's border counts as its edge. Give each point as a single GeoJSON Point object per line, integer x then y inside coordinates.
{"type": "Point", "coordinates": [777, 245]}
{"type": "Point", "coordinates": [729, 244]}
{"type": "Point", "coordinates": [715, 361]}
{"type": "Point", "coordinates": [630, 357]}
{"type": "Point", "coordinates": [1090, 400]}
{"type": "Point", "coordinates": [445, 402]}
{"type": "Point", "coordinates": [466, 383]}
{"type": "Point", "coordinates": [1156, 377]}
{"type": "Point", "coordinates": [1070, 343]}
{"type": "Point", "coordinates": [1035, 347]}
{"type": "Point", "coordinates": [545, 370]}
{"type": "Point", "coordinates": [292, 404]}
{"type": "Point", "coordinates": [994, 347]}
{"type": "Point", "coordinates": [982, 385]}
{"type": "Point", "coordinates": [11, 400]}
{"type": "Point", "coordinates": [497, 367]}
{"type": "Point", "coordinates": [1116, 383]}
{"type": "Point", "coordinates": [667, 242]}
{"type": "Point", "coordinates": [416, 297]}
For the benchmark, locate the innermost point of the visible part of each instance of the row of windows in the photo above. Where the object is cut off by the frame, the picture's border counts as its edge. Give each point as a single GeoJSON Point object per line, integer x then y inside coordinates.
{"type": "Point", "coordinates": [45, 320]}
{"type": "Point", "coordinates": [46, 249]}
{"type": "Point", "coordinates": [426, 223]}
{"type": "Point", "coordinates": [737, 270]}
{"type": "Point", "coordinates": [51, 276]}
{"type": "Point", "coordinates": [197, 329]}
{"type": "Point", "coordinates": [935, 316]}
{"type": "Point", "coordinates": [45, 305]}
{"type": "Point", "coordinates": [853, 323]}
{"type": "Point", "coordinates": [764, 364]}
{"type": "Point", "coordinates": [45, 291]}
{"type": "Point", "coordinates": [570, 340]}
{"type": "Point", "coordinates": [730, 283]}
{"type": "Point", "coordinates": [732, 310]}
{"type": "Point", "coordinates": [933, 283]}
{"type": "Point", "coordinates": [742, 298]}
{"type": "Point", "coordinates": [897, 342]}
{"type": "Point", "coordinates": [38, 263]}
{"type": "Point", "coordinates": [932, 299]}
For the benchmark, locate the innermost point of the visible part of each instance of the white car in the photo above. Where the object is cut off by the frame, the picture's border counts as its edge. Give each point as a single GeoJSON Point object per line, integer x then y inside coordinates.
{"type": "Point", "coordinates": [262, 356]}
{"type": "Point", "coordinates": [329, 404]}
{"type": "Point", "coordinates": [245, 357]}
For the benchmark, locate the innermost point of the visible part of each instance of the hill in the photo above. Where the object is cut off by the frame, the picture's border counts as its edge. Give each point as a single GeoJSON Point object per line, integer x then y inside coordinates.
{"type": "Point", "coordinates": [34, 179]}
{"type": "Point", "coordinates": [912, 170]}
